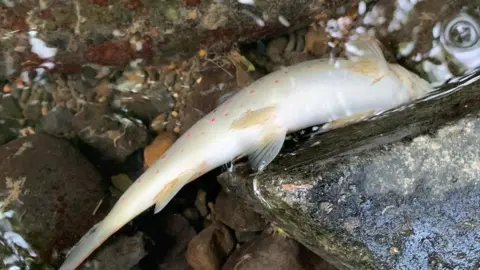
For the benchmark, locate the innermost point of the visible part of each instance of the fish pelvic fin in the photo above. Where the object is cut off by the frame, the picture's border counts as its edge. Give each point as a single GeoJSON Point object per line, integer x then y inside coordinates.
{"type": "Point", "coordinates": [268, 150]}
{"type": "Point", "coordinates": [87, 244]}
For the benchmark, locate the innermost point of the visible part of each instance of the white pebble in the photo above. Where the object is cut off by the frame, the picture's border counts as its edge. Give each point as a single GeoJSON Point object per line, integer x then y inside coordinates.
{"type": "Point", "coordinates": [247, 2]}
{"type": "Point", "coordinates": [8, 3]}
{"type": "Point", "coordinates": [360, 30]}
{"type": "Point", "coordinates": [436, 30]}
{"type": "Point", "coordinates": [118, 33]}
{"type": "Point", "coordinates": [40, 48]}
{"type": "Point", "coordinates": [283, 21]}
{"type": "Point", "coordinates": [48, 65]}
{"type": "Point", "coordinates": [257, 19]}
{"type": "Point", "coordinates": [362, 7]}
{"type": "Point", "coordinates": [406, 48]}
{"type": "Point", "coordinates": [138, 46]}
{"type": "Point", "coordinates": [417, 57]}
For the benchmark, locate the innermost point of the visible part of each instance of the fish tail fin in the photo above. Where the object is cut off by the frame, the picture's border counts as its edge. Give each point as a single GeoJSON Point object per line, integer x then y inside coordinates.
{"type": "Point", "coordinates": [87, 244]}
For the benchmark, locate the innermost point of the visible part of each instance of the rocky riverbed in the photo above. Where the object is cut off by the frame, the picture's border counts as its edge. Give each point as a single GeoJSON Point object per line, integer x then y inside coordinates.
{"type": "Point", "coordinates": [93, 92]}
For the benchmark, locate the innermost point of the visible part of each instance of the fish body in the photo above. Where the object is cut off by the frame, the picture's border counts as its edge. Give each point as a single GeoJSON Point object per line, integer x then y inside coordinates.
{"type": "Point", "coordinates": [255, 121]}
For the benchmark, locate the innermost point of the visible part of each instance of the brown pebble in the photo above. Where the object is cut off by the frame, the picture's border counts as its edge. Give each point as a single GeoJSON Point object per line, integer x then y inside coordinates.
{"type": "Point", "coordinates": [210, 248]}
{"type": "Point", "coordinates": [154, 150]}
{"type": "Point", "coordinates": [176, 129]}
{"type": "Point", "coordinates": [201, 203]}
{"type": "Point", "coordinates": [103, 89]}
{"type": "Point", "coordinates": [191, 213]}
{"type": "Point", "coordinates": [316, 41]}
{"type": "Point", "coordinates": [175, 114]}
{"type": "Point", "coordinates": [134, 76]}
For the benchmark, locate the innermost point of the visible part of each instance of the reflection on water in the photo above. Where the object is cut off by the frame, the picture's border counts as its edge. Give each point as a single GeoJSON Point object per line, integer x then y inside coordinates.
{"type": "Point", "coordinates": [437, 39]}
{"type": "Point", "coordinates": [16, 253]}
{"type": "Point", "coordinates": [461, 40]}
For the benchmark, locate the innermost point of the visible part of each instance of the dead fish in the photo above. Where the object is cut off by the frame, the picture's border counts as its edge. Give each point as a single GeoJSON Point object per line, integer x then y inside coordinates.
{"type": "Point", "coordinates": [255, 122]}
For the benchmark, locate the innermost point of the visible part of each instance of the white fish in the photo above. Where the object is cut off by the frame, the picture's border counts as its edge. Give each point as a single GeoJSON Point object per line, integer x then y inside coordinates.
{"type": "Point", "coordinates": [255, 121]}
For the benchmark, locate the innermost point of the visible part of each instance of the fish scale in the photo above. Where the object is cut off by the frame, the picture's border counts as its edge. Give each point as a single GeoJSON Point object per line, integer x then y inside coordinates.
{"type": "Point", "coordinates": [255, 121]}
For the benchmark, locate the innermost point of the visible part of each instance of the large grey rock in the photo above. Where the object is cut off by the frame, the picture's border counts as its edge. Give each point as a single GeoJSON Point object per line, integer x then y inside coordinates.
{"type": "Point", "coordinates": [44, 180]}
{"type": "Point", "coordinates": [401, 191]}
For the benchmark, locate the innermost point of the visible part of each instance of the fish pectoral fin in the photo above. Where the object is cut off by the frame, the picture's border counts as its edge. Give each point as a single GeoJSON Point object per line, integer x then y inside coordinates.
{"type": "Point", "coordinates": [265, 154]}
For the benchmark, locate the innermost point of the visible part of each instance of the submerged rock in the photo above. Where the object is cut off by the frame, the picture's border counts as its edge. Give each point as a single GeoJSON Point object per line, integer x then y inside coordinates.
{"type": "Point", "coordinates": [400, 191]}
{"type": "Point", "coordinates": [112, 134]}
{"type": "Point", "coordinates": [181, 232]}
{"type": "Point", "coordinates": [274, 252]}
{"type": "Point", "coordinates": [210, 248]}
{"type": "Point", "coordinates": [231, 211]}
{"type": "Point", "coordinates": [45, 180]}
{"type": "Point", "coordinates": [58, 122]}
{"type": "Point", "coordinates": [122, 254]}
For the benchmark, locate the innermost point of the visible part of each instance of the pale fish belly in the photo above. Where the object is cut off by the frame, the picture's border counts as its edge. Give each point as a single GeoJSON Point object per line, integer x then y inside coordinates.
{"type": "Point", "coordinates": [339, 95]}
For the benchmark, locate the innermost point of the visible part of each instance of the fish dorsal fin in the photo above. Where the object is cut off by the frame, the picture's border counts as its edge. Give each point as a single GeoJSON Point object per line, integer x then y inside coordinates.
{"type": "Point", "coordinates": [366, 48]}
{"type": "Point", "coordinates": [265, 154]}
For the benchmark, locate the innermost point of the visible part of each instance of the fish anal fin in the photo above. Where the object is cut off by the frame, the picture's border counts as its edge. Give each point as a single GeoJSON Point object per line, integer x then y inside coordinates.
{"type": "Point", "coordinates": [168, 191]}
{"type": "Point", "coordinates": [174, 186]}
{"type": "Point", "coordinates": [262, 156]}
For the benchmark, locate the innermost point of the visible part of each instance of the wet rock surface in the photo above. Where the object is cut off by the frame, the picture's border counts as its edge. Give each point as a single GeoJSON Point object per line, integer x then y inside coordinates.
{"type": "Point", "coordinates": [45, 180]}
{"type": "Point", "coordinates": [384, 196]}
